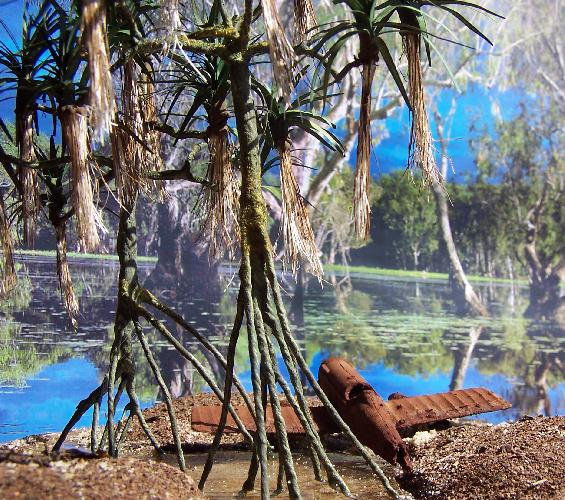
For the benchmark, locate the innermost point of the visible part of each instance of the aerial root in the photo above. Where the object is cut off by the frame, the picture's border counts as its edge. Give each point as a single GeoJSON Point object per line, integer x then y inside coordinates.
{"type": "Point", "coordinates": [295, 350]}
{"type": "Point", "coordinates": [208, 378]}
{"type": "Point", "coordinates": [121, 372]}
{"type": "Point", "coordinates": [94, 427]}
{"type": "Point", "coordinates": [249, 483]}
{"type": "Point", "coordinates": [125, 429]}
{"type": "Point", "coordinates": [280, 478]}
{"type": "Point", "coordinates": [301, 409]}
{"type": "Point", "coordinates": [257, 289]}
{"type": "Point", "coordinates": [112, 399]}
{"type": "Point", "coordinates": [148, 298]}
{"type": "Point", "coordinates": [94, 399]}
{"type": "Point", "coordinates": [253, 303]}
{"type": "Point", "coordinates": [166, 394]}
{"type": "Point", "coordinates": [135, 408]}
{"type": "Point", "coordinates": [227, 394]}
{"type": "Point", "coordinates": [299, 403]}
{"type": "Point", "coordinates": [282, 437]}
{"type": "Point", "coordinates": [255, 361]}
{"type": "Point", "coordinates": [80, 410]}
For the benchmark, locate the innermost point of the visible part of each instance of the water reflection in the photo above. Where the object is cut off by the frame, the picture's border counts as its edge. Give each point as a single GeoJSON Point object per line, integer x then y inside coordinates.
{"type": "Point", "coordinates": [404, 336]}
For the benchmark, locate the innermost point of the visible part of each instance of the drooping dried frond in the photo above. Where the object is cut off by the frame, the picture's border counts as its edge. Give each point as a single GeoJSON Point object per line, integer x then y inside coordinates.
{"type": "Point", "coordinates": [169, 15]}
{"type": "Point", "coordinates": [121, 154]}
{"type": "Point", "coordinates": [30, 201]}
{"type": "Point", "coordinates": [304, 20]}
{"type": "Point", "coordinates": [361, 203]}
{"type": "Point", "coordinates": [136, 145]}
{"type": "Point", "coordinates": [101, 92]}
{"type": "Point", "coordinates": [221, 202]}
{"type": "Point", "coordinates": [421, 149]}
{"type": "Point", "coordinates": [64, 273]}
{"type": "Point", "coordinates": [299, 242]}
{"type": "Point", "coordinates": [8, 275]}
{"type": "Point", "coordinates": [74, 123]}
{"type": "Point", "coordinates": [130, 158]}
{"type": "Point", "coordinates": [282, 54]}
{"type": "Point", "coordinates": [28, 176]}
{"type": "Point", "coordinates": [153, 160]}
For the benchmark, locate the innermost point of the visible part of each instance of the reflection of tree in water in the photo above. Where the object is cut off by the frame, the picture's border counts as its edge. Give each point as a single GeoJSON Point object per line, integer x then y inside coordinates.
{"type": "Point", "coordinates": [21, 360]}
{"type": "Point", "coordinates": [548, 363]}
{"type": "Point", "coordinates": [353, 329]}
{"type": "Point", "coordinates": [427, 339]}
{"type": "Point", "coordinates": [463, 358]}
{"type": "Point", "coordinates": [531, 352]}
{"type": "Point", "coordinates": [198, 296]}
{"type": "Point", "coordinates": [44, 314]}
{"type": "Point", "coordinates": [45, 333]}
{"type": "Point", "coordinates": [365, 321]}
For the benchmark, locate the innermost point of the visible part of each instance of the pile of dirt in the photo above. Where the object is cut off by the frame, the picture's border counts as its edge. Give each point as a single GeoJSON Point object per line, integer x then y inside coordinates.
{"type": "Point", "coordinates": [158, 421]}
{"type": "Point", "coordinates": [29, 476]}
{"type": "Point", "coordinates": [524, 459]}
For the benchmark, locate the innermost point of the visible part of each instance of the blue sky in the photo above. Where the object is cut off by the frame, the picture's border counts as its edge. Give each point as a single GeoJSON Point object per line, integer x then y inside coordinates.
{"type": "Point", "coordinates": [473, 107]}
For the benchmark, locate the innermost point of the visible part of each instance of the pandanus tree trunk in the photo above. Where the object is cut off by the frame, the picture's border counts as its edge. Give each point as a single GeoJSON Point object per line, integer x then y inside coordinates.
{"type": "Point", "coordinates": [259, 291]}
{"type": "Point", "coordinates": [64, 274]}
{"type": "Point", "coordinates": [361, 203]}
{"type": "Point", "coordinates": [56, 203]}
{"type": "Point", "coordinates": [28, 176]}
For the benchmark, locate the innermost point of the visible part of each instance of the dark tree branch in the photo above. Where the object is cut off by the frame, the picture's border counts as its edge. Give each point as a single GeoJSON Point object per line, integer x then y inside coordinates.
{"type": "Point", "coordinates": [177, 134]}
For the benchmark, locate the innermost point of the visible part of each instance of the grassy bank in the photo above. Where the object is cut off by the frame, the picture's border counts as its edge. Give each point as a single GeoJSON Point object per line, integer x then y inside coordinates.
{"type": "Point", "coordinates": [376, 271]}
{"type": "Point", "coordinates": [77, 255]}
{"type": "Point", "coordinates": [402, 273]}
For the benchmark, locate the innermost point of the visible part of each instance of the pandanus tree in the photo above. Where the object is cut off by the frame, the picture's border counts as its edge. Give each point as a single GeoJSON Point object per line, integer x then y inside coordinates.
{"type": "Point", "coordinates": [216, 52]}
{"type": "Point", "coordinates": [21, 70]}
{"type": "Point", "coordinates": [41, 70]}
{"type": "Point", "coordinates": [370, 24]}
{"type": "Point", "coordinates": [206, 118]}
{"type": "Point", "coordinates": [278, 122]}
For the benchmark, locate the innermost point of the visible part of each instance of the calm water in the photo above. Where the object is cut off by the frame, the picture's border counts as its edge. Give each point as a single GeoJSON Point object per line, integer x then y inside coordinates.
{"type": "Point", "coordinates": [402, 335]}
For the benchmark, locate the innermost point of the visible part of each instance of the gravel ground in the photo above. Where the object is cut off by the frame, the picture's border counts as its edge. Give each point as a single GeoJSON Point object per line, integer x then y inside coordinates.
{"type": "Point", "coordinates": [524, 459]}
